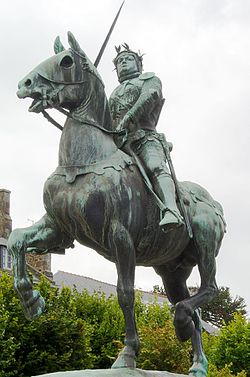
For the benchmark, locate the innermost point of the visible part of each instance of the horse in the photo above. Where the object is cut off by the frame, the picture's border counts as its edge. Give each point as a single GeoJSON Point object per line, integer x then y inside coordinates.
{"type": "Point", "coordinates": [97, 196]}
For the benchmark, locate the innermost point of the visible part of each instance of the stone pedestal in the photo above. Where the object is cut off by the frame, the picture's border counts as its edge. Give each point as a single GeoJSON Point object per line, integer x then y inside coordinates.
{"type": "Point", "coordinates": [121, 372]}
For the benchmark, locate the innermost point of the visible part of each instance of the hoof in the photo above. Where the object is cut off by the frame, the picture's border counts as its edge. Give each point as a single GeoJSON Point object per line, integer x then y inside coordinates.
{"type": "Point", "coordinates": [199, 369]}
{"type": "Point", "coordinates": [34, 307]}
{"type": "Point", "coordinates": [125, 359]}
{"type": "Point", "coordinates": [186, 331]}
{"type": "Point", "coordinates": [183, 322]}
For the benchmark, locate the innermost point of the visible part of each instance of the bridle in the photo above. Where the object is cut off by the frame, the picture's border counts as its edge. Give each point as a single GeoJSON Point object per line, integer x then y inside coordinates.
{"type": "Point", "coordinates": [69, 115]}
{"type": "Point", "coordinates": [48, 101]}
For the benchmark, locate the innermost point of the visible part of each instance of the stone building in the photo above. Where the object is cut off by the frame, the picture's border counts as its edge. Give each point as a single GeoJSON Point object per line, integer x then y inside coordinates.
{"type": "Point", "coordinates": [37, 264]}
{"type": "Point", "coordinates": [5, 229]}
{"type": "Point", "coordinates": [40, 263]}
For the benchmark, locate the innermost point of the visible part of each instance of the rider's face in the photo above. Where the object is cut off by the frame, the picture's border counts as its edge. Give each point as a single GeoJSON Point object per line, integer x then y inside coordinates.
{"type": "Point", "coordinates": [126, 65]}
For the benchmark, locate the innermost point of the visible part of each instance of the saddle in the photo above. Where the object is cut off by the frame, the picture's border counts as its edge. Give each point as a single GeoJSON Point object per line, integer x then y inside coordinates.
{"type": "Point", "coordinates": [118, 161]}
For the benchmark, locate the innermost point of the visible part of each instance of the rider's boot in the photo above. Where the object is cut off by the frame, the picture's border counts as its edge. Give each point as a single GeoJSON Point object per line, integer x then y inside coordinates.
{"type": "Point", "coordinates": [165, 189]}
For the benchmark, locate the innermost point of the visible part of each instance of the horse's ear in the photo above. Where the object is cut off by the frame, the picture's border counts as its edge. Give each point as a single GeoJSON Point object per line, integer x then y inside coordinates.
{"type": "Point", "coordinates": [73, 42]}
{"type": "Point", "coordinates": [58, 46]}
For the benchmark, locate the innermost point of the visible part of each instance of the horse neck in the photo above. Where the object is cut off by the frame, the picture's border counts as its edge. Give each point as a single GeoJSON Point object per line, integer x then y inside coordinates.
{"type": "Point", "coordinates": [82, 144]}
{"type": "Point", "coordinates": [94, 106]}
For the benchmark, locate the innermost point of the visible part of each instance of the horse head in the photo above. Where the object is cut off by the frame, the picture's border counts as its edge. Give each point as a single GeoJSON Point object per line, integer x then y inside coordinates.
{"type": "Point", "coordinates": [66, 80]}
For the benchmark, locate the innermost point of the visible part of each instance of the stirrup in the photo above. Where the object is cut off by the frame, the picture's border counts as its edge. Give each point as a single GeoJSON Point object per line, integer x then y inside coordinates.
{"type": "Point", "coordinates": [177, 219]}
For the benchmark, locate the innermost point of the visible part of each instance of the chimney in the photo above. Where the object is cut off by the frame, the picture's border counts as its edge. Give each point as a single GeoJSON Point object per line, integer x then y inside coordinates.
{"type": "Point", "coordinates": [5, 219]}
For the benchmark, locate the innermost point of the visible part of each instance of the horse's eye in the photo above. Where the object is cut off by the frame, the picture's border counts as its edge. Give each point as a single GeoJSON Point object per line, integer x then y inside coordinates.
{"type": "Point", "coordinates": [66, 62]}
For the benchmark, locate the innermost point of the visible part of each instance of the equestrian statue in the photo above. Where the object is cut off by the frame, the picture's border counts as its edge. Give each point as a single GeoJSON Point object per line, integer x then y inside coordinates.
{"type": "Point", "coordinates": [113, 192]}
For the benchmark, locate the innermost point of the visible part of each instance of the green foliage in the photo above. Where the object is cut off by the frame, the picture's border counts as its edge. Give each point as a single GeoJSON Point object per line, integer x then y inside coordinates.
{"type": "Point", "coordinates": [229, 353]}
{"type": "Point", "coordinates": [106, 319]}
{"type": "Point", "coordinates": [76, 331]}
{"type": "Point", "coordinates": [80, 331]}
{"type": "Point", "coordinates": [57, 340]}
{"type": "Point", "coordinates": [160, 349]}
{"type": "Point", "coordinates": [224, 372]}
{"type": "Point", "coordinates": [221, 309]}
{"type": "Point", "coordinates": [153, 315]}
{"type": "Point", "coordinates": [232, 346]}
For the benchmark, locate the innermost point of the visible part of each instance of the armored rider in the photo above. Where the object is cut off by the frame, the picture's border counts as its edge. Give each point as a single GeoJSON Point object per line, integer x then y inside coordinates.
{"type": "Point", "coordinates": [135, 106]}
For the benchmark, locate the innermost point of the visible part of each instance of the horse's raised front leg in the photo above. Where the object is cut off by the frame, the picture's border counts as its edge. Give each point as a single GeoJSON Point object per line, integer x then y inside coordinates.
{"type": "Point", "coordinates": [123, 249]}
{"type": "Point", "coordinates": [177, 291]}
{"type": "Point", "coordinates": [208, 233]}
{"type": "Point", "coordinates": [43, 236]}
{"type": "Point", "coordinates": [200, 363]}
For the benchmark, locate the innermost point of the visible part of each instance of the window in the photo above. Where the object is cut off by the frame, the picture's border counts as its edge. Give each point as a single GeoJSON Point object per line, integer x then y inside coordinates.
{"type": "Point", "coordinates": [9, 262]}
{"type": "Point", "coordinates": [5, 258]}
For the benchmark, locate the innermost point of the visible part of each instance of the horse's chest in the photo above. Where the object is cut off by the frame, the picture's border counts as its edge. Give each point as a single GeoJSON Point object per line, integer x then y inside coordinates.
{"type": "Point", "coordinates": [60, 197]}
{"type": "Point", "coordinates": [83, 206]}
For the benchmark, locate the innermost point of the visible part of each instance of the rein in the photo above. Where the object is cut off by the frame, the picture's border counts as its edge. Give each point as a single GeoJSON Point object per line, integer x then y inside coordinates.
{"type": "Point", "coordinates": [67, 113]}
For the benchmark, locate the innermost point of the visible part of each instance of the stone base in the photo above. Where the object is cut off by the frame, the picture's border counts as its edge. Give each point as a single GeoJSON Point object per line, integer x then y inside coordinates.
{"type": "Point", "coordinates": [119, 372]}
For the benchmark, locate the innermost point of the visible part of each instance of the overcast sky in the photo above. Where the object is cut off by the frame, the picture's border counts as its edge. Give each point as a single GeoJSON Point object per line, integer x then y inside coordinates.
{"type": "Point", "coordinates": [200, 49]}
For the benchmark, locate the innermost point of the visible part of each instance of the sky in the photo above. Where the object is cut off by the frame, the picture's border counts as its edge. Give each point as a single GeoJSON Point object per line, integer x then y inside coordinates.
{"type": "Point", "coordinates": [200, 49]}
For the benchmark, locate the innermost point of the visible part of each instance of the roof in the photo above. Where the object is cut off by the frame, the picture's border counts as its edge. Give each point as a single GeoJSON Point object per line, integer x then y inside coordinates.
{"type": "Point", "coordinates": [37, 274]}
{"type": "Point", "coordinates": [67, 279]}
{"type": "Point", "coordinates": [210, 328]}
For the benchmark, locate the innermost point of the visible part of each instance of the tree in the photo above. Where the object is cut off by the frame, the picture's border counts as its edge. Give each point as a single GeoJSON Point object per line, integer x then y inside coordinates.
{"type": "Point", "coordinates": [231, 348]}
{"type": "Point", "coordinates": [57, 340]}
{"type": "Point", "coordinates": [159, 290]}
{"type": "Point", "coordinates": [222, 308]}
{"type": "Point", "coordinates": [161, 350]}
{"type": "Point", "coordinates": [79, 331]}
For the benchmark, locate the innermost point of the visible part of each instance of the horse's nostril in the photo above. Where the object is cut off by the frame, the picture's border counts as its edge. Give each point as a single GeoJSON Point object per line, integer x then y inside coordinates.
{"type": "Point", "coordinates": [27, 82]}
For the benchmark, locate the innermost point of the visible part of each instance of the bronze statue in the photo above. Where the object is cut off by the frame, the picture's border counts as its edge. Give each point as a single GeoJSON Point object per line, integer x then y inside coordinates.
{"type": "Point", "coordinates": [97, 196]}
{"type": "Point", "coordinates": [136, 105]}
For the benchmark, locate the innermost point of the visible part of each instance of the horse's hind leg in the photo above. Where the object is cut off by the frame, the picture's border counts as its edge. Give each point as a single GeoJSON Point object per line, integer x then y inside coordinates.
{"type": "Point", "coordinates": [42, 235]}
{"type": "Point", "coordinates": [123, 250]}
{"type": "Point", "coordinates": [177, 291]}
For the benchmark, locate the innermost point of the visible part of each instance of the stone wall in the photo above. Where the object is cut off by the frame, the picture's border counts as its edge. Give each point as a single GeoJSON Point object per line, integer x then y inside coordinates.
{"type": "Point", "coordinates": [41, 262]}
{"type": "Point", "coordinates": [5, 219]}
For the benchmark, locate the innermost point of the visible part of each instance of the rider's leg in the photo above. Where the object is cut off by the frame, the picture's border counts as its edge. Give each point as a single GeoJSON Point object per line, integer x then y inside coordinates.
{"type": "Point", "coordinates": [165, 189]}
{"type": "Point", "coordinates": [153, 158]}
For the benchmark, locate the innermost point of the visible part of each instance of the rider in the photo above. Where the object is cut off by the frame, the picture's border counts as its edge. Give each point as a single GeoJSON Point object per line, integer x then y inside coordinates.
{"type": "Point", "coordinates": [135, 106]}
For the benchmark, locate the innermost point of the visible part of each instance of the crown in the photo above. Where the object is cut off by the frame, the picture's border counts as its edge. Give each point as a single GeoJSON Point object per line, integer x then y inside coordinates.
{"type": "Point", "coordinates": [138, 56]}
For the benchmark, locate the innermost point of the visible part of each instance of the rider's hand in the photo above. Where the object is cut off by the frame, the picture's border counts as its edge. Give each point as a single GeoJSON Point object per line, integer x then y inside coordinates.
{"type": "Point", "coordinates": [124, 124]}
